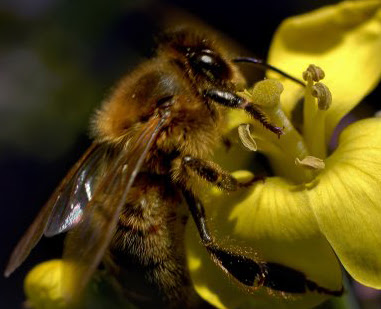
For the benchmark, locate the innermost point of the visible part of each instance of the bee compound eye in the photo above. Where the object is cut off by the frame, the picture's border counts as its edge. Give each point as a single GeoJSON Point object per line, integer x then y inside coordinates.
{"type": "Point", "coordinates": [209, 63]}
{"type": "Point", "coordinates": [206, 58]}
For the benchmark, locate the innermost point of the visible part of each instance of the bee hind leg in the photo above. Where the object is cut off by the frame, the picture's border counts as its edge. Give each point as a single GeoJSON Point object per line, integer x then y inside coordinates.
{"type": "Point", "coordinates": [247, 271]}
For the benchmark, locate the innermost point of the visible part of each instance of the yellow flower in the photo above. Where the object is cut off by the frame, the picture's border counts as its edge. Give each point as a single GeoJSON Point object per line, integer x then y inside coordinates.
{"type": "Point", "coordinates": [319, 207]}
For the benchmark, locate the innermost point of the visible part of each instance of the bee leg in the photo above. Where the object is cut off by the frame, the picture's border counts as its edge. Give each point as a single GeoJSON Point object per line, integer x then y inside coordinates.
{"type": "Point", "coordinates": [198, 213]}
{"type": "Point", "coordinates": [247, 271]}
{"type": "Point", "coordinates": [212, 173]}
{"type": "Point", "coordinates": [230, 99]}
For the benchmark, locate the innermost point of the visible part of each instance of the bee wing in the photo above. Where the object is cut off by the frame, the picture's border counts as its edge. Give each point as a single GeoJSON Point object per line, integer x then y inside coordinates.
{"type": "Point", "coordinates": [76, 194]}
{"type": "Point", "coordinates": [86, 243]}
{"type": "Point", "coordinates": [57, 199]}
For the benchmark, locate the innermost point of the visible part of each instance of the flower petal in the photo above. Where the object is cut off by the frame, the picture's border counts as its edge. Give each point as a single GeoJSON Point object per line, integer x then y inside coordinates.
{"type": "Point", "coordinates": [42, 285]}
{"type": "Point", "coordinates": [344, 40]}
{"type": "Point", "coordinates": [271, 222]}
{"type": "Point", "coordinates": [347, 201]}
{"type": "Point", "coordinates": [43, 288]}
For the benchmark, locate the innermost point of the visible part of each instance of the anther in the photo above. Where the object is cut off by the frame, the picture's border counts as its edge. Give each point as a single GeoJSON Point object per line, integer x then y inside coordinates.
{"type": "Point", "coordinates": [246, 138]}
{"type": "Point", "coordinates": [311, 163]}
{"type": "Point", "coordinates": [323, 95]}
{"type": "Point", "coordinates": [313, 72]}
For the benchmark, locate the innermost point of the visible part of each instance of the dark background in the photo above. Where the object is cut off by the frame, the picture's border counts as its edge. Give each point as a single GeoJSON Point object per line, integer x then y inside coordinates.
{"type": "Point", "coordinates": [58, 61]}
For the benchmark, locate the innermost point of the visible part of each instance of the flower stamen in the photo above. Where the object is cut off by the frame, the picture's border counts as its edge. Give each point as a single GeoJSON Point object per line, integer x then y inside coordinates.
{"type": "Point", "coordinates": [311, 163]}
{"type": "Point", "coordinates": [317, 100]}
{"type": "Point", "coordinates": [323, 95]}
{"type": "Point", "coordinates": [313, 73]}
{"type": "Point", "coordinates": [280, 151]}
{"type": "Point", "coordinates": [246, 137]}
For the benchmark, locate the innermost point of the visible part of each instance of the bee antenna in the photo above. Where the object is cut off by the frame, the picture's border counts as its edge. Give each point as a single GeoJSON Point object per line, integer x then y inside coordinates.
{"type": "Point", "coordinates": [262, 64]}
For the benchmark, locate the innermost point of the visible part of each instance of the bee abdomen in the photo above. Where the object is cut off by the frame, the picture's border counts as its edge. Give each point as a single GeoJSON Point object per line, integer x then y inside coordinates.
{"type": "Point", "coordinates": [146, 255]}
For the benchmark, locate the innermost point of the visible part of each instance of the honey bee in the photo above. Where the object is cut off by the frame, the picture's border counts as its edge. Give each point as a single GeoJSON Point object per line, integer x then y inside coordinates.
{"type": "Point", "coordinates": [123, 202]}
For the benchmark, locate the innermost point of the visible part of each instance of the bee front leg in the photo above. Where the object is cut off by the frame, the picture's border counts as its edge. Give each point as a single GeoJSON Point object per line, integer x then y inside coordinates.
{"type": "Point", "coordinates": [212, 173]}
{"type": "Point", "coordinates": [232, 100]}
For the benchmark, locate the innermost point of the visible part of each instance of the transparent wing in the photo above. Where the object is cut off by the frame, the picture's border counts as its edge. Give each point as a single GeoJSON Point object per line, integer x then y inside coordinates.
{"type": "Point", "coordinates": [37, 228]}
{"type": "Point", "coordinates": [86, 243]}
{"type": "Point", "coordinates": [69, 206]}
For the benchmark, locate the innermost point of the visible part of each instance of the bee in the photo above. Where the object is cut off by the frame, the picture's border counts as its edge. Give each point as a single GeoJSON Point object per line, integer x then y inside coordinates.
{"type": "Point", "coordinates": [126, 201]}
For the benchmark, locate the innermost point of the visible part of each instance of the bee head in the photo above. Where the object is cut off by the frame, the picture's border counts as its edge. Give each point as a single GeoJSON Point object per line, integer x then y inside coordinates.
{"type": "Point", "coordinates": [197, 53]}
